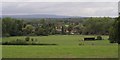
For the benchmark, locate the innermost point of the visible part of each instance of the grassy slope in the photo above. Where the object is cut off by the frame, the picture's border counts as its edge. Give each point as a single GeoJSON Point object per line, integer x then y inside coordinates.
{"type": "Point", "coordinates": [68, 46]}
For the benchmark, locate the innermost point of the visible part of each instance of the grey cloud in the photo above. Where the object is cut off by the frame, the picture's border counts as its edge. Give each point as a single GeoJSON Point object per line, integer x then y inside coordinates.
{"type": "Point", "coordinates": [0, 8]}
{"type": "Point", "coordinates": [60, 0]}
{"type": "Point", "coordinates": [62, 8]}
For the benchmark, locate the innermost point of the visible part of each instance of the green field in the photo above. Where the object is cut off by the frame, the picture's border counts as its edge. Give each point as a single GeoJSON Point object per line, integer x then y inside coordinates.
{"type": "Point", "coordinates": [68, 46]}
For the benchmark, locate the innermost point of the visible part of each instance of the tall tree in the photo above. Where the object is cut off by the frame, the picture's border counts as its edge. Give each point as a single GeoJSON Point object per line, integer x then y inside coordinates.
{"type": "Point", "coordinates": [29, 29]}
{"type": "Point", "coordinates": [114, 35]}
{"type": "Point", "coordinates": [11, 26]}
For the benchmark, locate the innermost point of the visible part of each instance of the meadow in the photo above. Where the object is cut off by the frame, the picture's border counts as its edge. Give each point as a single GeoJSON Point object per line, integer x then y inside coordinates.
{"type": "Point", "coordinates": [68, 46]}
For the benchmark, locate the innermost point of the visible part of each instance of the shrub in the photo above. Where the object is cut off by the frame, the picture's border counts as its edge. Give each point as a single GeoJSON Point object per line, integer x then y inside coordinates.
{"type": "Point", "coordinates": [81, 43]}
{"type": "Point", "coordinates": [5, 43]}
{"type": "Point", "coordinates": [32, 34]}
{"type": "Point", "coordinates": [6, 35]}
{"type": "Point", "coordinates": [112, 41]}
{"type": "Point", "coordinates": [19, 42]}
{"type": "Point", "coordinates": [32, 39]}
{"type": "Point", "coordinates": [99, 38]}
{"type": "Point", "coordinates": [27, 38]}
{"type": "Point", "coordinates": [15, 42]}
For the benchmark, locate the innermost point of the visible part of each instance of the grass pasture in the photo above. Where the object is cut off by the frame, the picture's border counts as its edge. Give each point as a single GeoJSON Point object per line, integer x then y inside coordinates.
{"type": "Point", "coordinates": [69, 46]}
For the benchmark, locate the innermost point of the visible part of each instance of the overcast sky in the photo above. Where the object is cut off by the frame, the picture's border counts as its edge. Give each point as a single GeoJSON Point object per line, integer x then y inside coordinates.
{"type": "Point", "coordinates": [60, 0]}
{"type": "Point", "coordinates": [60, 8]}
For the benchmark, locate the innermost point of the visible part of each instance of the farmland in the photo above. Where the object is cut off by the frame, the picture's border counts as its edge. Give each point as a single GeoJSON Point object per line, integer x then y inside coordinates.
{"type": "Point", "coordinates": [71, 30]}
{"type": "Point", "coordinates": [68, 46]}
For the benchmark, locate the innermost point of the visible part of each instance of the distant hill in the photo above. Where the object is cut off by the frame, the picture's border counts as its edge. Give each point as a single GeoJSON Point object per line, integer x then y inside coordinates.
{"type": "Point", "coordinates": [38, 16]}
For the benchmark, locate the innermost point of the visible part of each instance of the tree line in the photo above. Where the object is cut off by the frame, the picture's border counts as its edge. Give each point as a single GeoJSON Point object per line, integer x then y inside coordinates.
{"type": "Point", "coordinates": [114, 35]}
{"type": "Point", "coordinates": [53, 26]}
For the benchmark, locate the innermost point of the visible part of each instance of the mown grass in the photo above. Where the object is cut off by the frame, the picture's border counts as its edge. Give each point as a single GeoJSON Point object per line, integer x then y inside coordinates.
{"type": "Point", "coordinates": [68, 47]}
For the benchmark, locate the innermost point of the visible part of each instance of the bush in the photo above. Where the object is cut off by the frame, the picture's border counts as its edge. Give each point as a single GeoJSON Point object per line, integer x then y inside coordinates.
{"type": "Point", "coordinates": [32, 39]}
{"type": "Point", "coordinates": [6, 35]}
{"type": "Point", "coordinates": [19, 42]}
{"type": "Point", "coordinates": [99, 38]}
{"type": "Point", "coordinates": [32, 34]}
{"type": "Point", "coordinates": [81, 43]}
{"type": "Point", "coordinates": [27, 38]}
{"type": "Point", "coordinates": [15, 42]}
{"type": "Point", "coordinates": [5, 43]}
{"type": "Point", "coordinates": [113, 41]}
